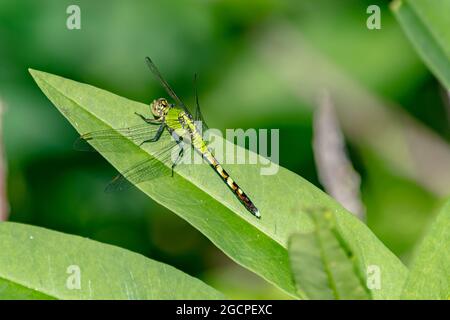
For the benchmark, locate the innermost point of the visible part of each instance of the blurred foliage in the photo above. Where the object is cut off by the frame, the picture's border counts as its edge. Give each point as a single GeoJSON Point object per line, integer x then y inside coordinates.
{"type": "Point", "coordinates": [427, 26]}
{"type": "Point", "coordinates": [397, 210]}
{"type": "Point", "coordinates": [51, 185]}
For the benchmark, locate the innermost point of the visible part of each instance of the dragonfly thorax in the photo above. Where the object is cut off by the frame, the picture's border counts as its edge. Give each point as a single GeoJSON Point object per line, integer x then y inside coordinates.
{"type": "Point", "coordinates": [159, 108]}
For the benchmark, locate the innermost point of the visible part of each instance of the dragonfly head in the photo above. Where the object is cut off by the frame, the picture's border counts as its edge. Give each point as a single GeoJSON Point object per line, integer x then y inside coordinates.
{"type": "Point", "coordinates": [159, 107]}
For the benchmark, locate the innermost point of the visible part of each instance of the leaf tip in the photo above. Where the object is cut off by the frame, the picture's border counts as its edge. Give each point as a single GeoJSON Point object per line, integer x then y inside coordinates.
{"type": "Point", "coordinates": [34, 73]}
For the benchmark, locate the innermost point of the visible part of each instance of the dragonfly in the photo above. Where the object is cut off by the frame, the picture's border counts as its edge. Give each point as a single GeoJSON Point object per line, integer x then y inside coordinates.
{"type": "Point", "coordinates": [184, 129]}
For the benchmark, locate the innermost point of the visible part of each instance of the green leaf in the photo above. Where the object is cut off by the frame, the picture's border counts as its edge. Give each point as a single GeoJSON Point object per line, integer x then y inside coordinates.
{"type": "Point", "coordinates": [13, 291]}
{"type": "Point", "coordinates": [323, 265]}
{"type": "Point", "coordinates": [429, 277]}
{"type": "Point", "coordinates": [427, 25]}
{"type": "Point", "coordinates": [36, 263]}
{"type": "Point", "coordinates": [197, 195]}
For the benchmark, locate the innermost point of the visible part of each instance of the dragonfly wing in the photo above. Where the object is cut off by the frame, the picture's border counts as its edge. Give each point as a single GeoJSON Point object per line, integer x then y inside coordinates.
{"type": "Point", "coordinates": [112, 139]}
{"type": "Point", "coordinates": [144, 171]}
{"type": "Point", "coordinates": [157, 166]}
{"type": "Point", "coordinates": [164, 83]}
{"type": "Point", "coordinates": [198, 113]}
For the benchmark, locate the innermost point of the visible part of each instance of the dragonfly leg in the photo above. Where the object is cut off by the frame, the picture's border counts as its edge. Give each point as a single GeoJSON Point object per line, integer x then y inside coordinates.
{"type": "Point", "coordinates": [180, 154]}
{"type": "Point", "coordinates": [148, 120]}
{"type": "Point", "coordinates": [157, 135]}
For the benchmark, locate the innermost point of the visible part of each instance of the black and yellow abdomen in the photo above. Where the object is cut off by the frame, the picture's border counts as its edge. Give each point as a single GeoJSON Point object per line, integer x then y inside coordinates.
{"type": "Point", "coordinates": [200, 145]}
{"type": "Point", "coordinates": [182, 124]}
{"type": "Point", "coordinates": [243, 198]}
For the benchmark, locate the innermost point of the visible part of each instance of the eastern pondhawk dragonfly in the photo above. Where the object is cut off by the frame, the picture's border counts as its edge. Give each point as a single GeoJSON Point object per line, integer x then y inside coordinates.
{"type": "Point", "coordinates": [184, 130]}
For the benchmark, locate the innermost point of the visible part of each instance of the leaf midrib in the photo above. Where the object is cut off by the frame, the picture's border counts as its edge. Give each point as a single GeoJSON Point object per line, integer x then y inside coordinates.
{"type": "Point", "coordinates": [327, 268]}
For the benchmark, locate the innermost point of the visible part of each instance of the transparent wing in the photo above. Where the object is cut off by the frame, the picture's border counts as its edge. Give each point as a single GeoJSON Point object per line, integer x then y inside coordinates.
{"type": "Point", "coordinates": [110, 140]}
{"type": "Point", "coordinates": [158, 166]}
{"type": "Point", "coordinates": [198, 113]}
{"type": "Point", "coordinates": [164, 83]}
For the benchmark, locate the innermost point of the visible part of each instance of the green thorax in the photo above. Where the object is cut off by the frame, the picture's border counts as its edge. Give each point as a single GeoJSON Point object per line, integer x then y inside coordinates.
{"type": "Point", "coordinates": [184, 126]}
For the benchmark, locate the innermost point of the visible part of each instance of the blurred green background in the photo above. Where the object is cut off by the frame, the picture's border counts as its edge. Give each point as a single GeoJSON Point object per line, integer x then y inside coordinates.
{"type": "Point", "coordinates": [232, 45]}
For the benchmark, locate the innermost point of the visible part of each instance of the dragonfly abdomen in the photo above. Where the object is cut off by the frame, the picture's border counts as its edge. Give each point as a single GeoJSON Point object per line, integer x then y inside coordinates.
{"type": "Point", "coordinates": [242, 197]}
{"type": "Point", "coordinates": [200, 145]}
